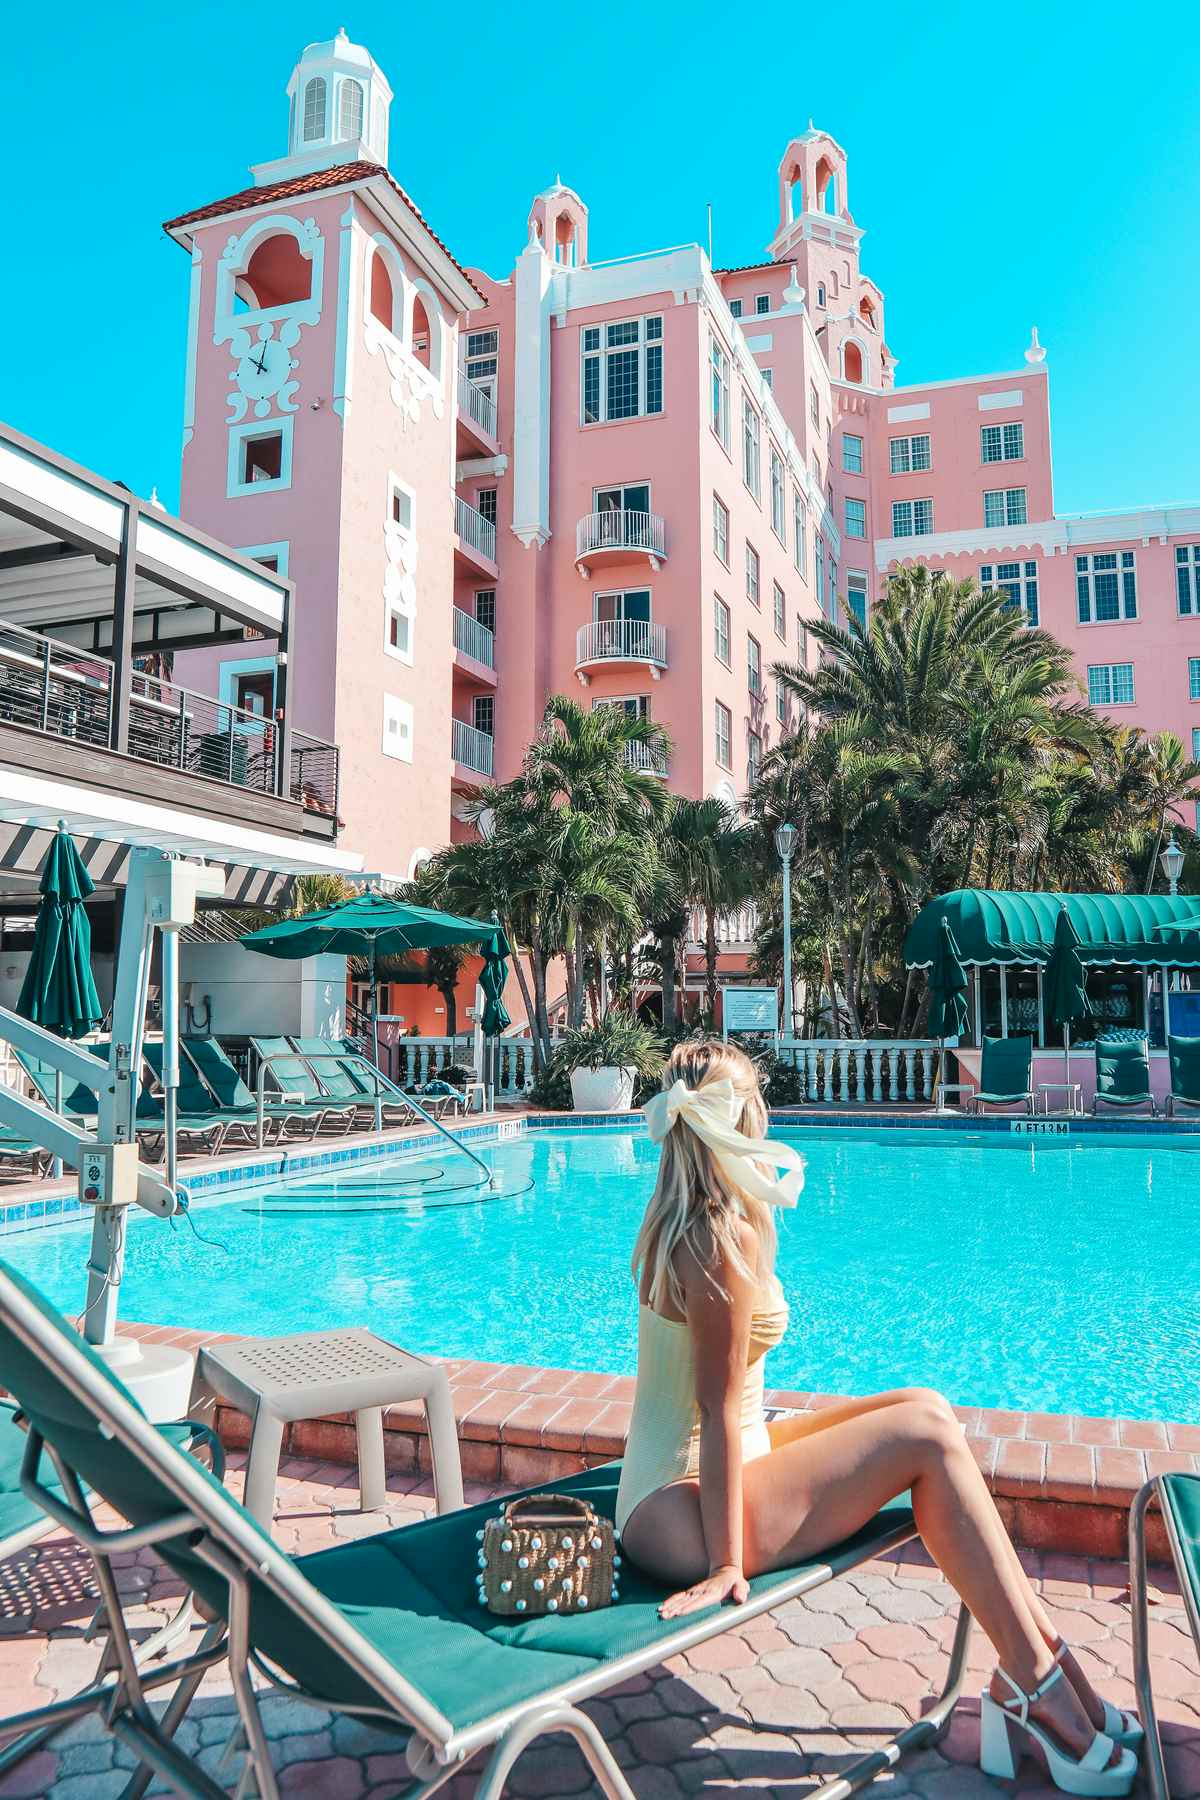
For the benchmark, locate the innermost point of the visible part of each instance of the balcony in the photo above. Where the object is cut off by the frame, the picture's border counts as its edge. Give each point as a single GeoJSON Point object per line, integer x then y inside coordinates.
{"type": "Point", "coordinates": [620, 641]}
{"type": "Point", "coordinates": [477, 412]}
{"type": "Point", "coordinates": [473, 642]}
{"type": "Point", "coordinates": [642, 756]}
{"type": "Point", "coordinates": [474, 539]}
{"type": "Point", "coordinates": [617, 535]}
{"type": "Point", "coordinates": [470, 749]}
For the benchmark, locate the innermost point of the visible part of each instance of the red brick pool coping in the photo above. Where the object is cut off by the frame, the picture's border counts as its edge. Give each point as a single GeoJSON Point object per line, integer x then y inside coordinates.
{"type": "Point", "coordinates": [1063, 1482]}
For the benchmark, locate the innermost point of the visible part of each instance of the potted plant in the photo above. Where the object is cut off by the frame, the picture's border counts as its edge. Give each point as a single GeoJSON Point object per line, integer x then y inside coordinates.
{"type": "Point", "coordinates": [605, 1060]}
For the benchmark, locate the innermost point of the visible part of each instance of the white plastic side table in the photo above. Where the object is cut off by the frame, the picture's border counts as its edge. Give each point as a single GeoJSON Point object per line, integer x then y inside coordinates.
{"type": "Point", "coordinates": [1072, 1089]}
{"type": "Point", "coordinates": [312, 1374]}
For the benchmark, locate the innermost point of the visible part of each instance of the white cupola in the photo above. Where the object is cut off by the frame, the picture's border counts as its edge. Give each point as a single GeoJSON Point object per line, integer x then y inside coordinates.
{"type": "Point", "coordinates": [338, 100]}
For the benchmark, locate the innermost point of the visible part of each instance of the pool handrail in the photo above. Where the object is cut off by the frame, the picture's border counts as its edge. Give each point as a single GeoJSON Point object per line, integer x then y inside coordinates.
{"type": "Point", "coordinates": [381, 1084]}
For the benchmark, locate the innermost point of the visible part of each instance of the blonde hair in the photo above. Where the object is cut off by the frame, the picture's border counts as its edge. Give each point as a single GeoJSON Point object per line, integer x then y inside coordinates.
{"type": "Point", "coordinates": [694, 1204]}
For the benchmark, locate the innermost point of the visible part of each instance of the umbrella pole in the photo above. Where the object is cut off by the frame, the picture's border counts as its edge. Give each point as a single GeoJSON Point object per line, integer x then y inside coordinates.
{"type": "Point", "coordinates": [375, 1037]}
{"type": "Point", "coordinates": [170, 1059]}
{"type": "Point", "coordinates": [1067, 1053]}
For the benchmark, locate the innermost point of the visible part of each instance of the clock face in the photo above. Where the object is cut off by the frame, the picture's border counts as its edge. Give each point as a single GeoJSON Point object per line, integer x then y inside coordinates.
{"type": "Point", "coordinates": [264, 368]}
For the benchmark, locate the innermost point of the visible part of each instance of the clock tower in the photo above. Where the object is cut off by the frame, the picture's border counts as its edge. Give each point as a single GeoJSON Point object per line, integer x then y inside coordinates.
{"type": "Point", "coordinates": [319, 435]}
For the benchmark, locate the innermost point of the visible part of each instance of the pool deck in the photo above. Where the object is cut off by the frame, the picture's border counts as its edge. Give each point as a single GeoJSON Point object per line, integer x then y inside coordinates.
{"type": "Point", "coordinates": [764, 1710]}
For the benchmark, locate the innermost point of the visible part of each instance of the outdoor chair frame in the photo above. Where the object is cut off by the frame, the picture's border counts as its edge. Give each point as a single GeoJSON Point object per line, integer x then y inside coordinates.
{"type": "Point", "coordinates": [1162, 1490]}
{"type": "Point", "coordinates": [1129, 1051]}
{"type": "Point", "coordinates": [201, 1528]}
{"type": "Point", "coordinates": [1003, 1097]}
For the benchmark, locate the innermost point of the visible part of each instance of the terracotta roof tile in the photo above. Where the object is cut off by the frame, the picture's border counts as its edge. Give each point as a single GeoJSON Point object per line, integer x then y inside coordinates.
{"type": "Point", "coordinates": [315, 182]}
{"type": "Point", "coordinates": [746, 268]}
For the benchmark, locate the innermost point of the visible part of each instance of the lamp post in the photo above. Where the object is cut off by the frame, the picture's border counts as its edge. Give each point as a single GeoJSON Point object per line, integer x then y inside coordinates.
{"type": "Point", "coordinates": [1171, 863]}
{"type": "Point", "coordinates": [785, 844]}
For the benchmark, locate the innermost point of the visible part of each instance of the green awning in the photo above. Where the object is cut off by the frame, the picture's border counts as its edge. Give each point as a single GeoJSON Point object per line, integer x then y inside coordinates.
{"type": "Point", "coordinates": [994, 927]}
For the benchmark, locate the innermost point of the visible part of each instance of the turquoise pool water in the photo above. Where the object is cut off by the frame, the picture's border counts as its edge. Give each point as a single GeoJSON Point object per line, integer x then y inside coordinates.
{"type": "Point", "coordinates": [1060, 1274]}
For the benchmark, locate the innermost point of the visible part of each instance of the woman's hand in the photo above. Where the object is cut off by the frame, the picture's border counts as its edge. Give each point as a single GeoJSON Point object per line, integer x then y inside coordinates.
{"type": "Point", "coordinates": [720, 1585]}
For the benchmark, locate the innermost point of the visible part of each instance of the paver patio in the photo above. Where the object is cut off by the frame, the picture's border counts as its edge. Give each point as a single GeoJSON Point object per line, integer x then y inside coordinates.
{"type": "Point", "coordinates": [759, 1711]}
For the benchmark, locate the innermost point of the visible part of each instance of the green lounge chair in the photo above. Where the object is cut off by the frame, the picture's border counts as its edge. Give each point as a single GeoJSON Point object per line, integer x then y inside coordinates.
{"type": "Point", "coordinates": [78, 1103]}
{"type": "Point", "coordinates": [1184, 1056]}
{"type": "Point", "coordinates": [1178, 1499]}
{"type": "Point", "coordinates": [200, 1119]}
{"type": "Point", "coordinates": [307, 1100]}
{"type": "Point", "coordinates": [1123, 1074]}
{"type": "Point", "coordinates": [218, 1072]}
{"type": "Point", "coordinates": [344, 1075]}
{"type": "Point", "coordinates": [388, 1627]}
{"type": "Point", "coordinates": [1005, 1073]}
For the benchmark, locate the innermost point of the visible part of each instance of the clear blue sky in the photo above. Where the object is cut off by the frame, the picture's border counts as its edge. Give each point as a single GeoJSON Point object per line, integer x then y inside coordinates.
{"type": "Point", "coordinates": [1033, 164]}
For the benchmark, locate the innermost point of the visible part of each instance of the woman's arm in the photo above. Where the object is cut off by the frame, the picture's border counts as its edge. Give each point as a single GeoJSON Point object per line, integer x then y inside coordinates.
{"type": "Point", "coordinates": [719, 1328]}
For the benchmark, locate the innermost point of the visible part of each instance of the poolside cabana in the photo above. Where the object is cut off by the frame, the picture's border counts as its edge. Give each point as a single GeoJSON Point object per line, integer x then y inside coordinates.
{"type": "Point", "coordinates": [1143, 971]}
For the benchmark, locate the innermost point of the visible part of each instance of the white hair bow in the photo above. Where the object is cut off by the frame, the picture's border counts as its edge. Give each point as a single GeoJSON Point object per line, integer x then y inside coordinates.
{"type": "Point", "coordinates": [712, 1112]}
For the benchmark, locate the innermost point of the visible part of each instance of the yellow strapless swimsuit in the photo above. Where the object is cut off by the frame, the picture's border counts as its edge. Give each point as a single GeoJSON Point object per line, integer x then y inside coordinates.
{"type": "Point", "coordinates": [664, 1432]}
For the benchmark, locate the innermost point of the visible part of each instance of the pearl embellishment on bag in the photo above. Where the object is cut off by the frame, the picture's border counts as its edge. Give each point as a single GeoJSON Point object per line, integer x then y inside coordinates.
{"type": "Point", "coordinates": [538, 1585]}
{"type": "Point", "coordinates": [507, 1544]}
{"type": "Point", "coordinates": [596, 1544]}
{"type": "Point", "coordinates": [481, 1559]}
{"type": "Point", "coordinates": [566, 1581]}
{"type": "Point", "coordinates": [584, 1562]}
{"type": "Point", "coordinates": [552, 1605]}
{"type": "Point", "coordinates": [583, 1600]}
{"type": "Point", "coordinates": [506, 1587]}
{"type": "Point", "coordinates": [479, 1537]}
{"type": "Point", "coordinates": [552, 1563]}
{"type": "Point", "coordinates": [520, 1606]}
{"type": "Point", "coordinates": [568, 1543]}
{"type": "Point", "coordinates": [522, 1562]}
{"type": "Point", "coordinates": [535, 1543]}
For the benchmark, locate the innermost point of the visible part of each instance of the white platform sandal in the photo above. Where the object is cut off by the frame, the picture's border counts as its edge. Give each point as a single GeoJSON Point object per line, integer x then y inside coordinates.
{"type": "Point", "coordinates": [1088, 1775]}
{"type": "Point", "coordinates": [1122, 1727]}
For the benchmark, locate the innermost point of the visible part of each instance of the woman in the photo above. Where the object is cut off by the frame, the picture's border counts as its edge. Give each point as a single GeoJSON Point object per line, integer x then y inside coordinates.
{"type": "Point", "coordinates": [710, 1495]}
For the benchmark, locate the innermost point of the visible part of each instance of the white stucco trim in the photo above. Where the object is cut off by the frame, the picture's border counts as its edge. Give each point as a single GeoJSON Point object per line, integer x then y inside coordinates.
{"type": "Point", "coordinates": [1012, 397]}
{"type": "Point", "coordinates": [1144, 526]}
{"type": "Point", "coordinates": [535, 291]}
{"type": "Point", "coordinates": [235, 487]}
{"type": "Point", "coordinates": [1026, 374]}
{"type": "Point", "coordinates": [899, 415]}
{"type": "Point", "coordinates": [235, 259]}
{"type": "Point", "coordinates": [193, 332]}
{"type": "Point", "coordinates": [343, 349]}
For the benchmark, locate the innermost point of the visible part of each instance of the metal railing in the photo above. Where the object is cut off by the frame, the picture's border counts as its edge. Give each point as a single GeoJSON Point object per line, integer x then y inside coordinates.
{"type": "Point", "coordinates": [476, 532]}
{"type": "Point", "coordinates": [479, 407]}
{"type": "Point", "coordinates": [735, 929]}
{"type": "Point", "coordinates": [619, 529]}
{"type": "Point", "coordinates": [471, 748]}
{"type": "Point", "coordinates": [52, 687]}
{"type": "Point", "coordinates": [863, 1071]}
{"type": "Point", "coordinates": [474, 639]}
{"type": "Point", "coordinates": [643, 756]}
{"type": "Point", "coordinates": [177, 728]}
{"type": "Point", "coordinates": [621, 640]}
{"type": "Point", "coordinates": [315, 774]}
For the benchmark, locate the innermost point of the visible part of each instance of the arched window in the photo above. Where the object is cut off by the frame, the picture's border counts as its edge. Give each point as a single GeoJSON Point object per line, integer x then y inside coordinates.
{"type": "Point", "coordinates": [350, 110]}
{"type": "Point", "coordinates": [383, 299]}
{"type": "Point", "coordinates": [421, 338]}
{"type": "Point", "coordinates": [795, 194]}
{"type": "Point", "coordinates": [866, 312]}
{"type": "Point", "coordinates": [852, 364]}
{"type": "Point", "coordinates": [826, 185]}
{"type": "Point", "coordinates": [278, 273]}
{"type": "Point", "coordinates": [564, 240]}
{"type": "Point", "coordinates": [820, 293]}
{"type": "Point", "coordinates": [314, 110]}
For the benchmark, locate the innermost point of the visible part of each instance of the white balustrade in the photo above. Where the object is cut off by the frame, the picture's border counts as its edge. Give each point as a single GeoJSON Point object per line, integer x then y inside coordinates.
{"type": "Point", "coordinates": [736, 929]}
{"type": "Point", "coordinates": [473, 749]}
{"type": "Point", "coordinates": [621, 529]}
{"type": "Point", "coordinates": [862, 1071]}
{"type": "Point", "coordinates": [621, 640]}
{"type": "Point", "coordinates": [416, 1060]}
{"type": "Point", "coordinates": [643, 756]}
{"type": "Point", "coordinates": [478, 533]}
{"type": "Point", "coordinates": [474, 639]}
{"type": "Point", "coordinates": [479, 406]}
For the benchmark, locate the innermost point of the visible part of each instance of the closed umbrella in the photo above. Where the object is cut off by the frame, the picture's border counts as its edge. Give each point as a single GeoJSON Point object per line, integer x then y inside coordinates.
{"type": "Point", "coordinates": [59, 992]}
{"type": "Point", "coordinates": [947, 994]}
{"type": "Point", "coordinates": [1064, 984]}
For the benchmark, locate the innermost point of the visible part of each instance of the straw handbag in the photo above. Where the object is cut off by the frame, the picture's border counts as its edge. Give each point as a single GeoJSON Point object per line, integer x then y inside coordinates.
{"type": "Point", "coordinates": [547, 1553]}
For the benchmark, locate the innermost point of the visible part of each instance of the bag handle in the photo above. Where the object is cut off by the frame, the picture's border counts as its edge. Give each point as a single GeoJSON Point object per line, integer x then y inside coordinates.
{"type": "Point", "coordinates": [564, 1509]}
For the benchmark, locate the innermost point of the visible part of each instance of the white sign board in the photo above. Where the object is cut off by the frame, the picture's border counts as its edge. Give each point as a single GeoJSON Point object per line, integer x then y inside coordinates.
{"type": "Point", "coordinates": [750, 1009]}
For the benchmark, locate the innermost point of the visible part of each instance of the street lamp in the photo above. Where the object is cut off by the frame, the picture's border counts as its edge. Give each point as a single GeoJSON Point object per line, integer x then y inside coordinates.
{"type": "Point", "coordinates": [785, 844]}
{"type": "Point", "coordinates": [1171, 862]}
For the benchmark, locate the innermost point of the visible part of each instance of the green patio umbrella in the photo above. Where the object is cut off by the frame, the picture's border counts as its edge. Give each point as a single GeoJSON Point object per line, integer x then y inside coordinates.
{"type": "Point", "coordinates": [374, 925]}
{"type": "Point", "coordinates": [947, 987]}
{"type": "Point", "coordinates": [1064, 983]}
{"type": "Point", "coordinates": [59, 992]}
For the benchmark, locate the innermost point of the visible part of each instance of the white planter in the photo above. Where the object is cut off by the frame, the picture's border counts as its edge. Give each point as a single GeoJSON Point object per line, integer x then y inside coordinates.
{"type": "Point", "coordinates": [602, 1090]}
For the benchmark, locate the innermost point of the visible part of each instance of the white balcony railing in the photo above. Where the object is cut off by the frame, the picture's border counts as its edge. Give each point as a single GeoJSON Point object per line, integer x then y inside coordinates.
{"type": "Point", "coordinates": [621, 640]}
{"type": "Point", "coordinates": [476, 532]}
{"type": "Point", "coordinates": [471, 748]}
{"type": "Point", "coordinates": [474, 639]}
{"type": "Point", "coordinates": [644, 532]}
{"type": "Point", "coordinates": [643, 756]}
{"type": "Point", "coordinates": [479, 407]}
{"type": "Point", "coordinates": [859, 1071]}
{"type": "Point", "coordinates": [735, 930]}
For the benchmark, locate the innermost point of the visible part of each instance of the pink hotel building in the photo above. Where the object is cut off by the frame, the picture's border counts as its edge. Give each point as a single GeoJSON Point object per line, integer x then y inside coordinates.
{"type": "Point", "coordinates": [635, 479]}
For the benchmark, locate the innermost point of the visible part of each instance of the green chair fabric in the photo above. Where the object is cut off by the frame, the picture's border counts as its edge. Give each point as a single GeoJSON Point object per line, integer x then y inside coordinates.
{"type": "Point", "coordinates": [329, 1070]}
{"type": "Point", "coordinates": [79, 1102]}
{"type": "Point", "coordinates": [1004, 1074]}
{"type": "Point", "coordinates": [284, 1066]}
{"type": "Point", "coordinates": [1123, 1071]}
{"type": "Point", "coordinates": [1179, 1497]}
{"type": "Point", "coordinates": [1184, 1057]}
{"type": "Point", "coordinates": [219, 1073]}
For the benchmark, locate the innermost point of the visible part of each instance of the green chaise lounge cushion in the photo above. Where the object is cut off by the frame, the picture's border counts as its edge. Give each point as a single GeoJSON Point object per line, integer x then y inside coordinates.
{"type": "Point", "coordinates": [1184, 1053]}
{"type": "Point", "coordinates": [1179, 1496]}
{"type": "Point", "coordinates": [1004, 1068]}
{"type": "Point", "coordinates": [1122, 1070]}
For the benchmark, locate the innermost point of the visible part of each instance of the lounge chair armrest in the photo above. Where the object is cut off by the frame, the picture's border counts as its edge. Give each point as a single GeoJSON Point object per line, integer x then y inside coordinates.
{"type": "Point", "coordinates": [106, 1543]}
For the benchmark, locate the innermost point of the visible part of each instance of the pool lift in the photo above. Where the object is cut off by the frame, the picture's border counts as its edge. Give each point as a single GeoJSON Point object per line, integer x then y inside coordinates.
{"type": "Point", "coordinates": [160, 894]}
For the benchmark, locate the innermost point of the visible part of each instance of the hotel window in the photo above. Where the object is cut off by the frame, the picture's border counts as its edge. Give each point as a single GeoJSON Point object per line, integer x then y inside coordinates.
{"type": "Point", "coordinates": [1111, 684]}
{"type": "Point", "coordinates": [314, 111]}
{"type": "Point", "coordinates": [754, 665]}
{"type": "Point", "coordinates": [1002, 443]}
{"type": "Point", "coordinates": [1105, 587]}
{"type": "Point", "coordinates": [720, 391]}
{"type": "Point", "coordinates": [1194, 677]}
{"type": "Point", "coordinates": [721, 638]}
{"type": "Point", "coordinates": [801, 642]}
{"type": "Point", "coordinates": [762, 303]}
{"type": "Point", "coordinates": [751, 447]}
{"type": "Point", "coordinates": [856, 518]}
{"type": "Point", "coordinates": [912, 518]}
{"type": "Point", "coordinates": [622, 376]}
{"type": "Point", "coordinates": [753, 757]}
{"type": "Point", "coordinates": [259, 458]}
{"type": "Point", "coordinates": [778, 498]}
{"type": "Point", "coordinates": [1004, 506]}
{"type": "Point", "coordinates": [483, 714]}
{"type": "Point", "coordinates": [752, 582]}
{"type": "Point", "coordinates": [819, 569]}
{"type": "Point", "coordinates": [814, 405]}
{"type": "Point", "coordinates": [820, 293]}
{"type": "Point", "coordinates": [397, 728]}
{"type": "Point", "coordinates": [485, 607]}
{"type": "Point", "coordinates": [735, 309]}
{"type": "Point", "coordinates": [721, 530]}
{"type": "Point", "coordinates": [852, 453]}
{"type": "Point", "coordinates": [485, 500]}
{"type": "Point", "coordinates": [1187, 580]}
{"type": "Point", "coordinates": [856, 596]}
{"type": "Point", "coordinates": [909, 455]}
{"type": "Point", "coordinates": [781, 702]}
{"type": "Point", "coordinates": [483, 349]}
{"type": "Point", "coordinates": [780, 602]}
{"type": "Point", "coordinates": [1019, 580]}
{"type": "Point", "coordinates": [1196, 743]}
{"type": "Point", "coordinates": [800, 529]}
{"type": "Point", "coordinates": [768, 376]}
{"type": "Point", "coordinates": [724, 737]}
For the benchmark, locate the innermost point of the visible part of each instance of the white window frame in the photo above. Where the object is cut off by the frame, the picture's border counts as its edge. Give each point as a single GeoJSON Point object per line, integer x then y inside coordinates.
{"type": "Point", "coordinates": [762, 305]}
{"type": "Point", "coordinates": [399, 589]}
{"type": "Point", "coordinates": [912, 529]}
{"type": "Point", "coordinates": [753, 758]}
{"type": "Point", "coordinates": [735, 308]}
{"type": "Point", "coordinates": [235, 487]}
{"type": "Point", "coordinates": [753, 576]}
{"type": "Point", "coordinates": [1187, 581]}
{"type": "Point", "coordinates": [1008, 507]}
{"type": "Point", "coordinates": [754, 666]}
{"type": "Point", "coordinates": [643, 343]}
{"type": "Point", "coordinates": [719, 407]}
{"type": "Point", "coordinates": [781, 702]}
{"type": "Point", "coordinates": [778, 495]}
{"type": "Point", "coordinates": [1194, 677]}
{"type": "Point", "coordinates": [858, 582]}
{"type": "Point", "coordinates": [723, 736]}
{"type": "Point", "coordinates": [1019, 578]}
{"type": "Point", "coordinates": [800, 529]}
{"type": "Point", "coordinates": [486, 378]}
{"type": "Point", "coordinates": [859, 517]}
{"type": "Point", "coordinates": [399, 744]}
{"type": "Point", "coordinates": [912, 455]}
{"type": "Point", "coordinates": [722, 631]}
{"type": "Point", "coordinates": [751, 447]}
{"type": "Point", "coordinates": [1123, 570]}
{"type": "Point", "coordinates": [721, 528]}
{"type": "Point", "coordinates": [814, 404]}
{"type": "Point", "coordinates": [779, 606]}
{"type": "Point", "coordinates": [850, 467]}
{"type": "Point", "coordinates": [1006, 439]}
{"type": "Point", "coordinates": [1108, 671]}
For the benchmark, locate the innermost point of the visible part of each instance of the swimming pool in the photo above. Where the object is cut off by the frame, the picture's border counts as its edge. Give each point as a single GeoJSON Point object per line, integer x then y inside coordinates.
{"type": "Point", "coordinates": [1052, 1274]}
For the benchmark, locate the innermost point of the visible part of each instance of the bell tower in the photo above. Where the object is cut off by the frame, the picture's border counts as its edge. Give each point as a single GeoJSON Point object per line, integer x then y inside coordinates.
{"type": "Point", "coordinates": [338, 101]}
